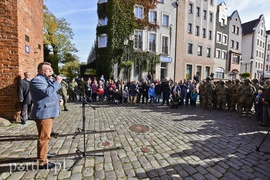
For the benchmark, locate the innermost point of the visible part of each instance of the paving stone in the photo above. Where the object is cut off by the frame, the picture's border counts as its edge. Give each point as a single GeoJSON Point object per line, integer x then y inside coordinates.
{"type": "Point", "coordinates": [184, 144]}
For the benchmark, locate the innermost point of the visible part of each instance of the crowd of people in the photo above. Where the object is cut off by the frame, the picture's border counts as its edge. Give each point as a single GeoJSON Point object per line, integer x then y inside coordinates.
{"type": "Point", "coordinates": [245, 97]}
{"type": "Point", "coordinates": [42, 97]}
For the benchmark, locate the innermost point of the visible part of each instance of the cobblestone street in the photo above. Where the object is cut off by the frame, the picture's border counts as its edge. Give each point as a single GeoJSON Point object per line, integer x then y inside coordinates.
{"type": "Point", "coordinates": [183, 143]}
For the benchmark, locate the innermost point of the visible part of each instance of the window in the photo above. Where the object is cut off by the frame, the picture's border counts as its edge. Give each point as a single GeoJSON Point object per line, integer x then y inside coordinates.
{"type": "Point", "coordinates": [197, 31]}
{"type": "Point", "coordinates": [102, 41]}
{"type": "Point", "coordinates": [27, 38]}
{"type": "Point", "coordinates": [237, 46]}
{"type": "Point", "coordinates": [237, 30]}
{"type": "Point", "coordinates": [190, 8]}
{"type": "Point", "coordinates": [165, 45]}
{"type": "Point", "coordinates": [199, 50]}
{"type": "Point", "coordinates": [218, 53]}
{"type": "Point", "coordinates": [190, 48]}
{"type": "Point", "coordinates": [208, 52]}
{"type": "Point", "coordinates": [165, 20]}
{"type": "Point", "coordinates": [103, 22]}
{"type": "Point", "coordinates": [189, 28]}
{"type": "Point", "coordinates": [198, 12]}
{"type": "Point", "coordinates": [189, 71]}
{"type": "Point", "coordinates": [210, 17]}
{"type": "Point", "coordinates": [210, 35]}
{"type": "Point", "coordinates": [224, 54]}
{"type": "Point", "coordinates": [138, 42]}
{"type": "Point", "coordinates": [153, 17]}
{"type": "Point", "coordinates": [138, 12]}
{"type": "Point", "coordinates": [204, 14]}
{"type": "Point", "coordinates": [222, 21]}
{"type": "Point", "coordinates": [203, 32]}
{"type": "Point", "coordinates": [233, 29]}
{"type": "Point", "coordinates": [211, 2]}
{"type": "Point", "coordinates": [102, 1]}
{"type": "Point", "coordinates": [152, 42]}
{"type": "Point", "coordinates": [235, 59]}
{"type": "Point", "coordinates": [225, 39]}
{"type": "Point", "coordinates": [218, 37]}
{"type": "Point", "coordinates": [232, 43]}
{"type": "Point", "coordinates": [207, 71]}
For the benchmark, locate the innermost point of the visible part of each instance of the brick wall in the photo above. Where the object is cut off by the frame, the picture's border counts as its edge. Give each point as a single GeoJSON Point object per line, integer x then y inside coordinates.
{"type": "Point", "coordinates": [21, 26]}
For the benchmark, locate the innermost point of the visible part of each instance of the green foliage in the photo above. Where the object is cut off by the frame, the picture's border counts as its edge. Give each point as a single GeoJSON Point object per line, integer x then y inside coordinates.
{"type": "Point", "coordinates": [121, 24]}
{"type": "Point", "coordinates": [245, 75]}
{"type": "Point", "coordinates": [57, 39]}
{"type": "Point", "coordinates": [70, 69]}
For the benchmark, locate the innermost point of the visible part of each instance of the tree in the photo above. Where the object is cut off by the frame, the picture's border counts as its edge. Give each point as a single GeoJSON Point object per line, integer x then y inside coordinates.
{"type": "Point", "coordinates": [57, 39]}
{"type": "Point", "coordinates": [70, 69]}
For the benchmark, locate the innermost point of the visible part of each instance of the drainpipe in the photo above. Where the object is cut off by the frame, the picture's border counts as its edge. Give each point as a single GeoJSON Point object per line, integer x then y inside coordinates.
{"type": "Point", "coordinates": [176, 32]}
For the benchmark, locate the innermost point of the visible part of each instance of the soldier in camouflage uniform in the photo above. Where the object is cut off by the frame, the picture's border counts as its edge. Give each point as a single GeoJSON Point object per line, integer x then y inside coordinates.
{"type": "Point", "coordinates": [202, 91]}
{"type": "Point", "coordinates": [208, 94]}
{"type": "Point", "coordinates": [234, 94]}
{"type": "Point", "coordinates": [246, 95]}
{"type": "Point", "coordinates": [229, 84]}
{"type": "Point", "coordinates": [221, 91]}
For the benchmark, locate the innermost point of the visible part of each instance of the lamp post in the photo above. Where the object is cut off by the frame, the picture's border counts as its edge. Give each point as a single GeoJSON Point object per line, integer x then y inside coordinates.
{"type": "Point", "coordinates": [126, 45]}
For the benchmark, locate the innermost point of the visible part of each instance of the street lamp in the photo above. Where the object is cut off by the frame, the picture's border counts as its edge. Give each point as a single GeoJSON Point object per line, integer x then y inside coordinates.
{"type": "Point", "coordinates": [126, 45]}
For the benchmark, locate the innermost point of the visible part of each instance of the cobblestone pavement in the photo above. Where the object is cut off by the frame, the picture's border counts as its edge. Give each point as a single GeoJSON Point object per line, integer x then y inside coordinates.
{"type": "Point", "coordinates": [183, 143]}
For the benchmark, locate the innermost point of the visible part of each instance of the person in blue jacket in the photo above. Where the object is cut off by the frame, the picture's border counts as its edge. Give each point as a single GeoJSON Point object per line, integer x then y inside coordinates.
{"type": "Point", "coordinates": [43, 89]}
{"type": "Point", "coordinates": [194, 95]}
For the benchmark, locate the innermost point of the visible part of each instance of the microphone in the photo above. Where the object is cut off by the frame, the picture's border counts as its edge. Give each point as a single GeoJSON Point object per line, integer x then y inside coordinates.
{"type": "Point", "coordinates": [54, 75]}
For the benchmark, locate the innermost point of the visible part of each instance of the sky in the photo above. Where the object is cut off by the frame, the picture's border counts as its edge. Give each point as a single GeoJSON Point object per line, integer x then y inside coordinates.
{"type": "Point", "coordinates": [82, 16]}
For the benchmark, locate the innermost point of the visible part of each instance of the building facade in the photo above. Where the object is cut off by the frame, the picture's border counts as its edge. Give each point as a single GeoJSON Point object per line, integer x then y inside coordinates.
{"type": "Point", "coordinates": [160, 41]}
{"type": "Point", "coordinates": [21, 48]}
{"type": "Point", "coordinates": [253, 47]}
{"type": "Point", "coordinates": [195, 39]}
{"type": "Point", "coordinates": [221, 41]}
{"type": "Point", "coordinates": [234, 46]}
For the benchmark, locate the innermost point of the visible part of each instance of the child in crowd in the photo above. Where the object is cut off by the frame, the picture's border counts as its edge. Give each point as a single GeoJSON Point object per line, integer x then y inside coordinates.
{"type": "Point", "coordinates": [194, 95]}
{"type": "Point", "coordinates": [100, 93]}
{"type": "Point", "coordinates": [151, 93]}
{"type": "Point", "coordinates": [126, 95]}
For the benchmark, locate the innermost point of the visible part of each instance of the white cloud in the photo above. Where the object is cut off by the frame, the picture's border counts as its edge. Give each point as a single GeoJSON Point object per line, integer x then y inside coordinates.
{"type": "Point", "coordinates": [250, 9]}
{"type": "Point", "coordinates": [74, 11]}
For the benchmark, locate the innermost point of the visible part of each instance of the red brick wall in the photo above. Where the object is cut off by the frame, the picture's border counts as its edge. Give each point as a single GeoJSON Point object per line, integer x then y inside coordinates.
{"type": "Point", "coordinates": [20, 18]}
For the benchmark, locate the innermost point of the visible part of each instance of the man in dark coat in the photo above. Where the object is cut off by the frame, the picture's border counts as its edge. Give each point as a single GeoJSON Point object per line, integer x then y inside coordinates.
{"type": "Point", "coordinates": [25, 97]}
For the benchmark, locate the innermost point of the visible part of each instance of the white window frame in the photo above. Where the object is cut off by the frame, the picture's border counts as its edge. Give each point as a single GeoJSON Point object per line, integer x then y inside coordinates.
{"type": "Point", "coordinates": [223, 54]}
{"type": "Point", "coordinates": [138, 39]}
{"type": "Point", "coordinates": [218, 53]}
{"type": "Point", "coordinates": [139, 12]}
{"type": "Point", "coordinates": [165, 20]}
{"type": "Point", "coordinates": [224, 39]}
{"type": "Point", "coordinates": [190, 48]}
{"type": "Point", "coordinates": [219, 37]}
{"type": "Point", "coordinates": [152, 42]}
{"type": "Point", "coordinates": [165, 44]}
{"type": "Point", "coordinates": [153, 17]}
{"type": "Point", "coordinates": [199, 50]}
{"type": "Point", "coordinates": [208, 52]}
{"type": "Point", "coordinates": [102, 41]}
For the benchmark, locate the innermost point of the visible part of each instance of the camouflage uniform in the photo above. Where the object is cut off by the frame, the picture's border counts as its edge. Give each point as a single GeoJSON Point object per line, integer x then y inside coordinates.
{"type": "Point", "coordinates": [208, 94]}
{"type": "Point", "coordinates": [246, 95]}
{"type": "Point", "coordinates": [202, 92]}
{"type": "Point", "coordinates": [234, 89]}
{"type": "Point", "coordinates": [221, 91]}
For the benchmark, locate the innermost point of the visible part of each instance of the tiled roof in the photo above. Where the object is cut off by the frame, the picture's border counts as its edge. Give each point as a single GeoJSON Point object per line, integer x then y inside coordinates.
{"type": "Point", "coordinates": [248, 27]}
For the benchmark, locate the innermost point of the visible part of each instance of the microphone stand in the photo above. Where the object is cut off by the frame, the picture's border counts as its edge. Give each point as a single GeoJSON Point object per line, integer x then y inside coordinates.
{"type": "Point", "coordinates": [83, 154]}
{"type": "Point", "coordinates": [258, 147]}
